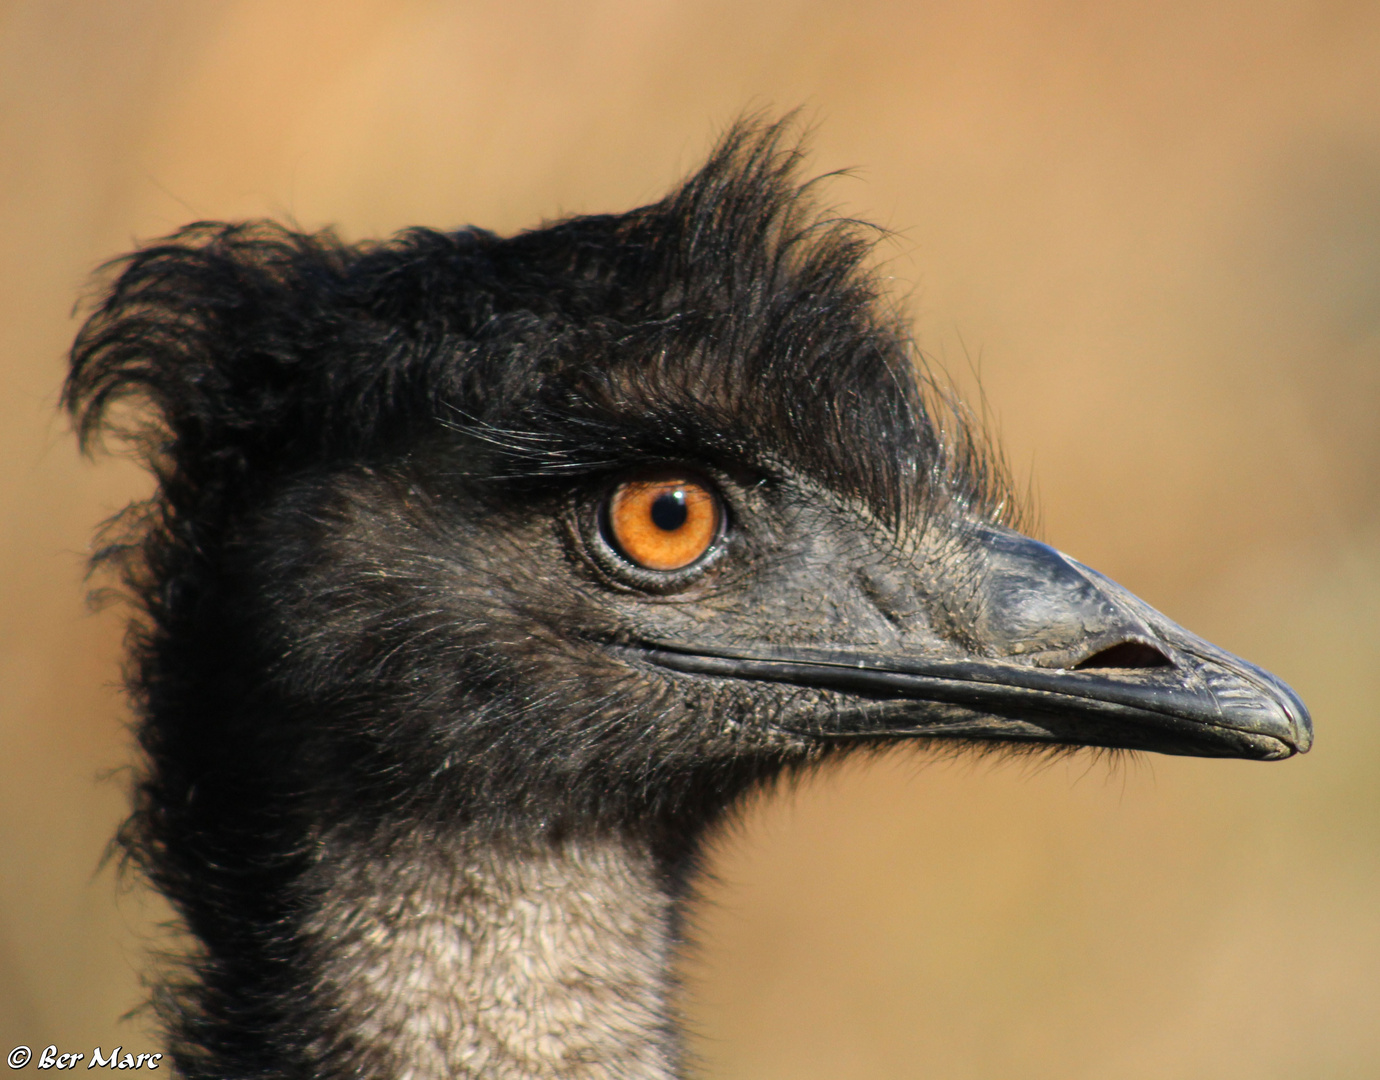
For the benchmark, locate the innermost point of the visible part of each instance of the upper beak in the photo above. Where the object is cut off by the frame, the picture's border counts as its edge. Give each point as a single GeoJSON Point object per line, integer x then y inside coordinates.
{"type": "Point", "coordinates": [1063, 655]}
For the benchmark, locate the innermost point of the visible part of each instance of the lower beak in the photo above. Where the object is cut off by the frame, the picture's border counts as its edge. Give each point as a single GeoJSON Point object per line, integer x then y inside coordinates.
{"type": "Point", "coordinates": [1198, 705]}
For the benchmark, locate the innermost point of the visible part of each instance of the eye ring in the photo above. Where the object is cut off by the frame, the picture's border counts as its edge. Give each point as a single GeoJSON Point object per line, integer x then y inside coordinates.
{"type": "Point", "coordinates": [662, 522]}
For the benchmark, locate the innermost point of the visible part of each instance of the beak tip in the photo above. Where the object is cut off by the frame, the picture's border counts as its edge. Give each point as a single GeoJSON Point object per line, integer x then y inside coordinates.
{"type": "Point", "coordinates": [1296, 715]}
{"type": "Point", "coordinates": [1303, 732]}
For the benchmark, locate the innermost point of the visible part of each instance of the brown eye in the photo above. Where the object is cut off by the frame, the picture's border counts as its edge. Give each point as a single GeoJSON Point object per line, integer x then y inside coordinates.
{"type": "Point", "coordinates": [663, 524]}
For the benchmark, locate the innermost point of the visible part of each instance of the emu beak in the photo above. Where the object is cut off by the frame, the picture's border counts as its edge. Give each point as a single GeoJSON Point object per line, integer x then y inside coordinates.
{"type": "Point", "coordinates": [1056, 653]}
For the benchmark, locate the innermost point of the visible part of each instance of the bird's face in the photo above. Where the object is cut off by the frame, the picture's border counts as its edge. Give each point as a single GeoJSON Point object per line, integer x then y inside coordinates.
{"type": "Point", "coordinates": [825, 624]}
{"type": "Point", "coordinates": [642, 622]}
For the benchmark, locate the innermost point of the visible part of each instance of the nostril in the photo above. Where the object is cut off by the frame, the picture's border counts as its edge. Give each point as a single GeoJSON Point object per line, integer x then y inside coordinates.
{"type": "Point", "coordinates": [1126, 654]}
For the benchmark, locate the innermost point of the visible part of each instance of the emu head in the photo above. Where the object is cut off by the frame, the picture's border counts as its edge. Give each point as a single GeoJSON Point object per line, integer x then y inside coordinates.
{"type": "Point", "coordinates": [598, 524]}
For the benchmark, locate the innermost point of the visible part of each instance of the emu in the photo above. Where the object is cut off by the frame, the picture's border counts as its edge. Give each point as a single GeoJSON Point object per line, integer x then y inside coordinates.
{"type": "Point", "coordinates": [484, 575]}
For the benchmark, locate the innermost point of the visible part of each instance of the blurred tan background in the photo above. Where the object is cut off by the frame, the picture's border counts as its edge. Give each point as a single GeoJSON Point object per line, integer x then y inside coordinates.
{"type": "Point", "coordinates": [1152, 228]}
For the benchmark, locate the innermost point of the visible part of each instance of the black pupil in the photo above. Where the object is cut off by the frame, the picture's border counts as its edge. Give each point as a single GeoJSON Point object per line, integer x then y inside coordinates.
{"type": "Point", "coordinates": [669, 510]}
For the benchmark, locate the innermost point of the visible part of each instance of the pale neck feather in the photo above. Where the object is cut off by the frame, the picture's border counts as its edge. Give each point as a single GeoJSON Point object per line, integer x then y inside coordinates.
{"type": "Point", "coordinates": [447, 961]}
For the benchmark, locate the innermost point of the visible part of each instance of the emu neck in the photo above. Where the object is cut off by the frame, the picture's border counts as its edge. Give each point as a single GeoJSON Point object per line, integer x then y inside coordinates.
{"type": "Point", "coordinates": [498, 961]}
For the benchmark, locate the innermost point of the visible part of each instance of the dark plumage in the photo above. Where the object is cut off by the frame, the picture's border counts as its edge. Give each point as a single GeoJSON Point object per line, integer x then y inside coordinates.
{"type": "Point", "coordinates": [428, 756]}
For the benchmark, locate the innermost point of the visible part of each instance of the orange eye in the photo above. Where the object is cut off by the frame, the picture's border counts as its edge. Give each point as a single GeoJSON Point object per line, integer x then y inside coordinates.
{"type": "Point", "coordinates": [665, 523]}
